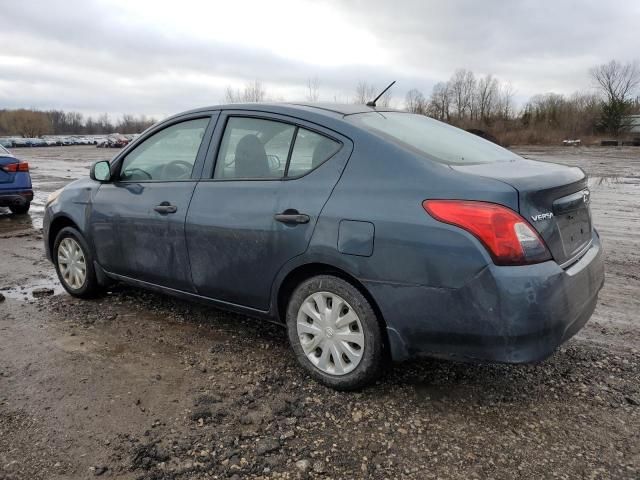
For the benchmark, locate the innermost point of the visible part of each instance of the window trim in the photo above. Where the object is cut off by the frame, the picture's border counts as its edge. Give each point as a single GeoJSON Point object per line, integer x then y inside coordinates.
{"type": "Point", "coordinates": [202, 149]}
{"type": "Point", "coordinates": [255, 115]}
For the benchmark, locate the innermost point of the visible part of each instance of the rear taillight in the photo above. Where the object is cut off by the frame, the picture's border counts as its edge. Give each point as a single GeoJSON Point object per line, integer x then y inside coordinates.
{"type": "Point", "coordinates": [16, 167]}
{"type": "Point", "coordinates": [507, 236]}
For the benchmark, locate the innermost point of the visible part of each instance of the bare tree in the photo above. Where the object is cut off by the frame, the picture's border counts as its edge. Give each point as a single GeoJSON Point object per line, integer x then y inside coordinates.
{"type": "Point", "coordinates": [415, 102]}
{"type": "Point", "coordinates": [439, 104]}
{"type": "Point", "coordinates": [29, 123]}
{"type": "Point", "coordinates": [232, 96]}
{"type": "Point", "coordinates": [74, 121]}
{"type": "Point", "coordinates": [385, 99]}
{"type": "Point", "coordinates": [253, 92]}
{"type": "Point", "coordinates": [365, 92]}
{"type": "Point", "coordinates": [132, 124]}
{"type": "Point", "coordinates": [618, 83]}
{"type": "Point", "coordinates": [462, 87]}
{"type": "Point", "coordinates": [105, 123]}
{"type": "Point", "coordinates": [313, 89]}
{"type": "Point", "coordinates": [486, 93]}
{"type": "Point", "coordinates": [505, 105]}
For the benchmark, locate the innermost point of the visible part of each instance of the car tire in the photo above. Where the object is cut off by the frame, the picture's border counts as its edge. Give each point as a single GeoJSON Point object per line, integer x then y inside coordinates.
{"type": "Point", "coordinates": [72, 239]}
{"type": "Point", "coordinates": [20, 209]}
{"type": "Point", "coordinates": [356, 320]}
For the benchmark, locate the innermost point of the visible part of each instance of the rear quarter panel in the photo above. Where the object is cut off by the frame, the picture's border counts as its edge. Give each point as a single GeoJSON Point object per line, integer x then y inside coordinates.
{"type": "Point", "coordinates": [386, 185]}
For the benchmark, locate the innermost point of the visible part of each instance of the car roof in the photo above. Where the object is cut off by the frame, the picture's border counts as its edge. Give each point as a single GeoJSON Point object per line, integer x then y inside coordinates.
{"type": "Point", "coordinates": [333, 110]}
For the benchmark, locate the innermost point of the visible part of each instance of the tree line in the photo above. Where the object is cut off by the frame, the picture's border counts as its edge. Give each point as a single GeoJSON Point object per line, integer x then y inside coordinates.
{"type": "Point", "coordinates": [486, 103]}
{"type": "Point", "coordinates": [30, 123]}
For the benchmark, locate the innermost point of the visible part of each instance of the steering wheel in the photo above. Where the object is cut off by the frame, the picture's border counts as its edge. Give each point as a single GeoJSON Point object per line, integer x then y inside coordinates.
{"type": "Point", "coordinates": [128, 174]}
{"type": "Point", "coordinates": [178, 169]}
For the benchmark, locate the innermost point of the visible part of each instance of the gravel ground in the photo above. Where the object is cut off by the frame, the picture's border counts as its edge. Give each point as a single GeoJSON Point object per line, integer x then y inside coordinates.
{"type": "Point", "coordinates": [135, 385]}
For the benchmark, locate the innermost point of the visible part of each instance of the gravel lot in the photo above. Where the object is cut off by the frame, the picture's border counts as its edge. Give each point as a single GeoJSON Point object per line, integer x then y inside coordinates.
{"type": "Point", "coordinates": [137, 385]}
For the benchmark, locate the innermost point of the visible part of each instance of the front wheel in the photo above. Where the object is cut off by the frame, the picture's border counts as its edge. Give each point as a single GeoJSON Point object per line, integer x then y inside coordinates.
{"type": "Point", "coordinates": [20, 209]}
{"type": "Point", "coordinates": [74, 264]}
{"type": "Point", "coordinates": [335, 333]}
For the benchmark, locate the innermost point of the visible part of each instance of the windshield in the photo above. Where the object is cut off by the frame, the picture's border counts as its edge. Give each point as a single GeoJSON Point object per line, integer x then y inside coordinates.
{"type": "Point", "coordinates": [441, 142]}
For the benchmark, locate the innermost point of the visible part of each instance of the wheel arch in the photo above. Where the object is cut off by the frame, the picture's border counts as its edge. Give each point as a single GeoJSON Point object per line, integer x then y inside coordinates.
{"type": "Point", "coordinates": [57, 224]}
{"type": "Point", "coordinates": [305, 271]}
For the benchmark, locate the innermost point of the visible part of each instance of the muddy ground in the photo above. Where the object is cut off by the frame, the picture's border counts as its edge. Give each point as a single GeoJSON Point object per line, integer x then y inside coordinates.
{"type": "Point", "coordinates": [138, 385]}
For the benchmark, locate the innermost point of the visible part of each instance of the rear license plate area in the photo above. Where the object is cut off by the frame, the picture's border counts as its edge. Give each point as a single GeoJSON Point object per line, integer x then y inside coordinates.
{"type": "Point", "coordinates": [575, 230]}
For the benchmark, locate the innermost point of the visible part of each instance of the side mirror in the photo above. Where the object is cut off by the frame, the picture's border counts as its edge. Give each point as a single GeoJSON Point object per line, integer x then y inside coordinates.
{"type": "Point", "coordinates": [101, 171]}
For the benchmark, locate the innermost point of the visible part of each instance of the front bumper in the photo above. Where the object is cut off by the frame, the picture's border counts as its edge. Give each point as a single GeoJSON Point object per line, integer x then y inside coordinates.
{"type": "Point", "coordinates": [504, 314]}
{"type": "Point", "coordinates": [10, 198]}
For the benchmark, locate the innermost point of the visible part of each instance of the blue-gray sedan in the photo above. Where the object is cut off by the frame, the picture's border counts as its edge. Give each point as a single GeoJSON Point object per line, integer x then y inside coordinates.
{"type": "Point", "coordinates": [370, 233]}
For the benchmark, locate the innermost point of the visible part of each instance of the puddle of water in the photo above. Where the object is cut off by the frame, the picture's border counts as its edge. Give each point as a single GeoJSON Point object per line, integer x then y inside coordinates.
{"type": "Point", "coordinates": [597, 181]}
{"type": "Point", "coordinates": [604, 180]}
{"type": "Point", "coordinates": [25, 292]}
{"type": "Point", "coordinates": [608, 180]}
{"type": "Point", "coordinates": [10, 223]}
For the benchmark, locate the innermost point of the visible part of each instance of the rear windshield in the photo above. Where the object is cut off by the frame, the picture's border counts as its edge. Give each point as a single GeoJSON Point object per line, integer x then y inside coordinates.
{"type": "Point", "coordinates": [441, 142]}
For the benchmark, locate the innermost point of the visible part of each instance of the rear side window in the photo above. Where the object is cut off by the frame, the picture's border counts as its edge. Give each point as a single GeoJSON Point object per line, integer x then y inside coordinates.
{"type": "Point", "coordinates": [309, 151]}
{"type": "Point", "coordinates": [254, 148]}
{"type": "Point", "coordinates": [439, 141]}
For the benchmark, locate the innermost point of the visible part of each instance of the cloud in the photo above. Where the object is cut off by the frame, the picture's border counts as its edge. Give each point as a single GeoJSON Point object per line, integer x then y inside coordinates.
{"type": "Point", "coordinates": [161, 57]}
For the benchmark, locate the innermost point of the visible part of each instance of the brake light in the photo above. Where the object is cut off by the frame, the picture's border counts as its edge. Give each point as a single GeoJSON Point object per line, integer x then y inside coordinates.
{"type": "Point", "coordinates": [506, 235]}
{"type": "Point", "coordinates": [16, 167]}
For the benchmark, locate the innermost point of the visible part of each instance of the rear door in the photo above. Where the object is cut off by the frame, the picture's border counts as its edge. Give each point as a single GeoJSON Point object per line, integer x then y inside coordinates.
{"type": "Point", "coordinates": [137, 220]}
{"type": "Point", "coordinates": [268, 179]}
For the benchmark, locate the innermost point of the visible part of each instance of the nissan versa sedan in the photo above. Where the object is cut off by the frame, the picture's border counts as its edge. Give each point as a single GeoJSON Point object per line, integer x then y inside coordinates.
{"type": "Point", "coordinates": [371, 234]}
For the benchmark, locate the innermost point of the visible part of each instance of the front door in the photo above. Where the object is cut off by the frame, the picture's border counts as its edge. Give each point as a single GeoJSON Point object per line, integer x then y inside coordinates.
{"type": "Point", "coordinates": [272, 177]}
{"type": "Point", "coordinates": [137, 220]}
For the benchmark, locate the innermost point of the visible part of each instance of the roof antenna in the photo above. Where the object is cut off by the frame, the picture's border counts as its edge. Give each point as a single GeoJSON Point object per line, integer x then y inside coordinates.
{"type": "Point", "coordinates": [373, 102]}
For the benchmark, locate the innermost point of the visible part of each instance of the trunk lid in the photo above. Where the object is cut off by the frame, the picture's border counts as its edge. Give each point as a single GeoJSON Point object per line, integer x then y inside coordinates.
{"type": "Point", "coordinates": [553, 198]}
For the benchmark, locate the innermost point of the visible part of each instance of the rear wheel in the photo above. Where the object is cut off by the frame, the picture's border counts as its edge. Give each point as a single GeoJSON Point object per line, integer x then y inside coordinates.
{"type": "Point", "coordinates": [335, 333]}
{"type": "Point", "coordinates": [20, 209]}
{"type": "Point", "coordinates": [74, 264]}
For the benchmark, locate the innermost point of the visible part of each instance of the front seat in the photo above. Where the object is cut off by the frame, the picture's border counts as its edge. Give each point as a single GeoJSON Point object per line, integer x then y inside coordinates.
{"type": "Point", "coordinates": [251, 158]}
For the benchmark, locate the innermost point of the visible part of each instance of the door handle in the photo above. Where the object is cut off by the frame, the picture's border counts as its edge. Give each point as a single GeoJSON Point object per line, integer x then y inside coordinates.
{"type": "Point", "coordinates": [291, 217]}
{"type": "Point", "coordinates": [165, 208]}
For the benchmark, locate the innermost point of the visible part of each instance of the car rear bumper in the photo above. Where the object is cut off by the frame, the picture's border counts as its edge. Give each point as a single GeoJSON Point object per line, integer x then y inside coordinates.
{"type": "Point", "coordinates": [504, 314]}
{"type": "Point", "coordinates": [12, 198]}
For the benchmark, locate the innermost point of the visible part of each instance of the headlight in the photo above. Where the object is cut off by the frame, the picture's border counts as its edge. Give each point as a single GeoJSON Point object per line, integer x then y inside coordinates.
{"type": "Point", "coordinates": [53, 196]}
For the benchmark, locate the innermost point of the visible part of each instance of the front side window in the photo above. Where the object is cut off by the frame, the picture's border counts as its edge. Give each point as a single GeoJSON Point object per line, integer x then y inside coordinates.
{"type": "Point", "coordinates": [441, 142]}
{"type": "Point", "coordinates": [168, 155]}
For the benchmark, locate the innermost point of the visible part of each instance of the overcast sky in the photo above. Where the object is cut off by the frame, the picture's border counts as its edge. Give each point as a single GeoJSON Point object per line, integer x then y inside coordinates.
{"type": "Point", "coordinates": [160, 57]}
